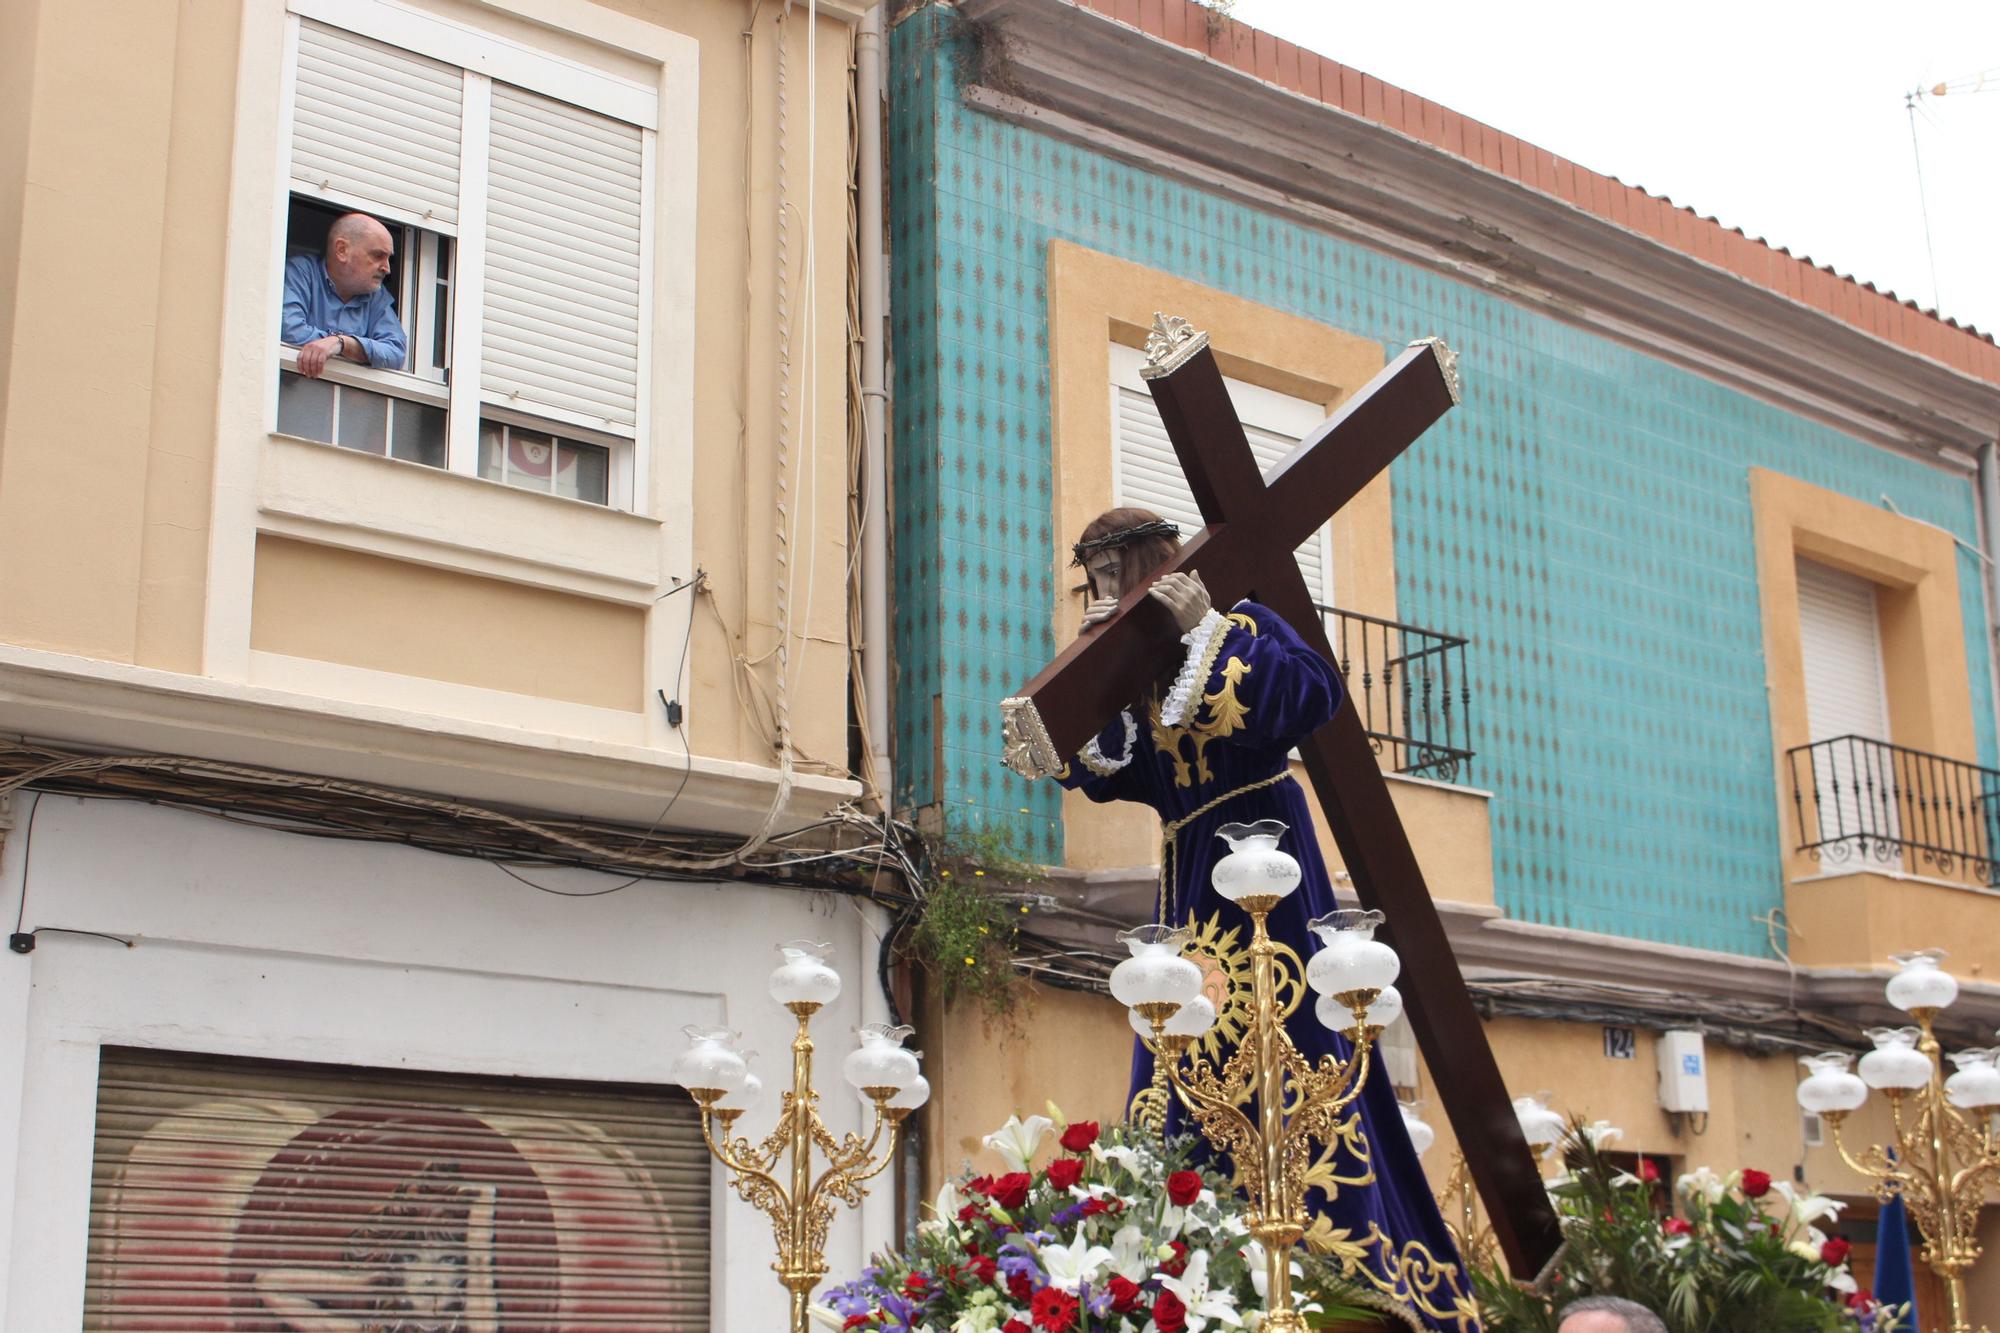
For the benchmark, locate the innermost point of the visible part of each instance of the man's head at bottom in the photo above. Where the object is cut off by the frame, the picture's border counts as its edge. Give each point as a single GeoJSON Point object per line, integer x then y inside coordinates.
{"type": "Point", "coordinates": [1608, 1314]}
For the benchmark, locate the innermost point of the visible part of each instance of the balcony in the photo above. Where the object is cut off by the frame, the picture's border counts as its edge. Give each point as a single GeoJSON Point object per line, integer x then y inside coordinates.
{"type": "Point", "coordinates": [1900, 850]}
{"type": "Point", "coordinates": [1411, 690]}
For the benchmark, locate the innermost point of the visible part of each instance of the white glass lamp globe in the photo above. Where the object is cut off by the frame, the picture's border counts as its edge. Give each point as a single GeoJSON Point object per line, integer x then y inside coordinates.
{"type": "Point", "coordinates": [803, 975]}
{"type": "Point", "coordinates": [1920, 983]}
{"type": "Point", "coordinates": [711, 1060]}
{"type": "Point", "coordinates": [1895, 1063]}
{"type": "Point", "coordinates": [1155, 973]}
{"type": "Point", "coordinates": [746, 1097]}
{"type": "Point", "coordinates": [880, 1060]}
{"type": "Point", "coordinates": [1192, 1019]}
{"type": "Point", "coordinates": [1350, 957]}
{"type": "Point", "coordinates": [1976, 1085]}
{"type": "Point", "coordinates": [1829, 1085]}
{"type": "Point", "coordinates": [1254, 867]}
{"type": "Point", "coordinates": [1541, 1125]}
{"type": "Point", "coordinates": [912, 1096]}
{"type": "Point", "coordinates": [1385, 1009]}
{"type": "Point", "coordinates": [1422, 1136]}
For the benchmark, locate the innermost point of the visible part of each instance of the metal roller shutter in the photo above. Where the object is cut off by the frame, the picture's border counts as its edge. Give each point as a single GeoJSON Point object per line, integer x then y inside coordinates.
{"type": "Point", "coordinates": [562, 264]}
{"type": "Point", "coordinates": [376, 126]}
{"type": "Point", "coordinates": [250, 1195]}
{"type": "Point", "coordinates": [1147, 473]}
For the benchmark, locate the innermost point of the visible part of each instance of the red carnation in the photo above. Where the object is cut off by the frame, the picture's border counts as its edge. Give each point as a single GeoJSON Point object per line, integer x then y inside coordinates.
{"type": "Point", "coordinates": [982, 1266]}
{"type": "Point", "coordinates": [1125, 1293]}
{"type": "Point", "coordinates": [1649, 1170]}
{"type": "Point", "coordinates": [980, 1185]}
{"type": "Point", "coordinates": [858, 1321]}
{"type": "Point", "coordinates": [913, 1286]}
{"type": "Point", "coordinates": [1183, 1188]}
{"type": "Point", "coordinates": [1054, 1310]}
{"type": "Point", "coordinates": [1756, 1184]}
{"type": "Point", "coordinates": [1177, 1265]}
{"type": "Point", "coordinates": [1834, 1253]}
{"type": "Point", "coordinates": [1168, 1313]}
{"type": "Point", "coordinates": [1011, 1190]}
{"type": "Point", "coordinates": [1064, 1172]}
{"type": "Point", "coordinates": [1862, 1300]}
{"type": "Point", "coordinates": [1677, 1226]}
{"type": "Point", "coordinates": [1079, 1137]}
{"type": "Point", "coordinates": [1015, 1326]}
{"type": "Point", "coordinates": [1020, 1286]}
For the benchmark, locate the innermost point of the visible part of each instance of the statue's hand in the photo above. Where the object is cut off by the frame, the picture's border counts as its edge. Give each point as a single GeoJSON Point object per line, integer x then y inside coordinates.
{"type": "Point", "coordinates": [1184, 596]}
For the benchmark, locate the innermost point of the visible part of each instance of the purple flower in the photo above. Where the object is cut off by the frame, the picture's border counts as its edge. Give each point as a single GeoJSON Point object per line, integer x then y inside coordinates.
{"type": "Point", "coordinates": [855, 1297]}
{"type": "Point", "coordinates": [1014, 1260]}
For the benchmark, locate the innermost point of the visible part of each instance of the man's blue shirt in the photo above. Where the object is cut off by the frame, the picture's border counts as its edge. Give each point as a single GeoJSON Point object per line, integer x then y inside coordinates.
{"type": "Point", "coordinates": [313, 310]}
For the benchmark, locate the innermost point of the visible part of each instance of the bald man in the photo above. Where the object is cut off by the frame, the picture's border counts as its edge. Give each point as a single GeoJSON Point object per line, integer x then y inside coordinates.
{"type": "Point", "coordinates": [335, 305]}
{"type": "Point", "coordinates": [1609, 1314]}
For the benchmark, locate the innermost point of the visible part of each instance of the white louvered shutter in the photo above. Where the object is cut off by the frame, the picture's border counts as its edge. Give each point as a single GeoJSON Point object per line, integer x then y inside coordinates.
{"type": "Point", "coordinates": [561, 327]}
{"type": "Point", "coordinates": [247, 1194]}
{"type": "Point", "coordinates": [376, 126]}
{"type": "Point", "coordinates": [1147, 473]}
{"type": "Point", "coordinates": [1841, 643]}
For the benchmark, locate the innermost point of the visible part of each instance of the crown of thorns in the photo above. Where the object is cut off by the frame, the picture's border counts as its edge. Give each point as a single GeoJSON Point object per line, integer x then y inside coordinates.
{"type": "Point", "coordinates": [1157, 528]}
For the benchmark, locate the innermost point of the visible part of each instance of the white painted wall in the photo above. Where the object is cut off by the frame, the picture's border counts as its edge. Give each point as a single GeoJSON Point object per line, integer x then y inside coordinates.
{"type": "Point", "coordinates": [260, 943]}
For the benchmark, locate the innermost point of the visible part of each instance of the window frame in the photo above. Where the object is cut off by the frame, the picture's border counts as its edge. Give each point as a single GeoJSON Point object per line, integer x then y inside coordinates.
{"type": "Point", "coordinates": [480, 58]}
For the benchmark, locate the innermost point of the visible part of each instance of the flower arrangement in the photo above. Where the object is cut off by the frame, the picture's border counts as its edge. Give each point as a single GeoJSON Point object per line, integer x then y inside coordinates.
{"type": "Point", "coordinates": [1120, 1233]}
{"type": "Point", "coordinates": [1730, 1261]}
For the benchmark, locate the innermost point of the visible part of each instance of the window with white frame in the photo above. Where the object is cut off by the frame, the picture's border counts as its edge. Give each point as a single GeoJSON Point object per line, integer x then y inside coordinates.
{"type": "Point", "coordinates": [1146, 472]}
{"type": "Point", "coordinates": [515, 187]}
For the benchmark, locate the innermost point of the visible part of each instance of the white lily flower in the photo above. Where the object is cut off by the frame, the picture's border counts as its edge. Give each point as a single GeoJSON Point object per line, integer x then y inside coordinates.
{"type": "Point", "coordinates": [1600, 1132]}
{"type": "Point", "coordinates": [1702, 1182]}
{"type": "Point", "coordinates": [944, 1211]}
{"type": "Point", "coordinates": [1131, 1258]}
{"type": "Point", "coordinates": [1842, 1281]}
{"type": "Point", "coordinates": [1202, 1305]}
{"type": "Point", "coordinates": [1071, 1265]}
{"type": "Point", "coordinates": [1258, 1262]}
{"type": "Point", "coordinates": [1018, 1139]}
{"type": "Point", "coordinates": [1125, 1159]}
{"type": "Point", "coordinates": [827, 1316]}
{"type": "Point", "coordinates": [1805, 1209]}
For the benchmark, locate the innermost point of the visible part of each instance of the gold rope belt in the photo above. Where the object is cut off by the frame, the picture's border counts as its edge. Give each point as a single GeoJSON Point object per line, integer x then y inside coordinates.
{"type": "Point", "coordinates": [1170, 838]}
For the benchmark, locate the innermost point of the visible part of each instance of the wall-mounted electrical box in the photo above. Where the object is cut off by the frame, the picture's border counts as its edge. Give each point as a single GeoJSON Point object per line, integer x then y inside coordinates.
{"type": "Point", "coordinates": [1683, 1072]}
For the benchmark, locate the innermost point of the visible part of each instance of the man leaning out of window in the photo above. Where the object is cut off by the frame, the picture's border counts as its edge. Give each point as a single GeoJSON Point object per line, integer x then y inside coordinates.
{"type": "Point", "coordinates": [336, 305]}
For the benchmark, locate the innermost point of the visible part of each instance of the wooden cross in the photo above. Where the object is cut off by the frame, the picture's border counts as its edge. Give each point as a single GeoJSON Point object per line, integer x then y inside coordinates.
{"type": "Point", "coordinates": [1246, 550]}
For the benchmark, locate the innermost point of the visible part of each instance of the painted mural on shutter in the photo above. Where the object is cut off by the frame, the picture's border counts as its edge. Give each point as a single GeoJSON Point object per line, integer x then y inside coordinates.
{"type": "Point", "coordinates": [250, 1196]}
{"type": "Point", "coordinates": [376, 127]}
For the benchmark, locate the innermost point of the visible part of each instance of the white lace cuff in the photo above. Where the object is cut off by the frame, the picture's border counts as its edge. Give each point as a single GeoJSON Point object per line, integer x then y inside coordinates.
{"type": "Point", "coordinates": [1093, 758]}
{"type": "Point", "coordinates": [1204, 644]}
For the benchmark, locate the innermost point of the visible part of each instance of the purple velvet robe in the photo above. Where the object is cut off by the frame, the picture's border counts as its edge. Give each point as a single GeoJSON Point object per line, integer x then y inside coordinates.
{"type": "Point", "coordinates": [1253, 697]}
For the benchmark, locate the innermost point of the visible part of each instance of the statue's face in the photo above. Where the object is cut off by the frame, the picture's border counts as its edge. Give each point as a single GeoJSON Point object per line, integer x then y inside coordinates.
{"type": "Point", "coordinates": [1106, 569]}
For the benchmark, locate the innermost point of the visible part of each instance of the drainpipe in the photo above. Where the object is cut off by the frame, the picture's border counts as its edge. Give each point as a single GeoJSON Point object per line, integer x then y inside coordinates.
{"type": "Point", "coordinates": [1989, 515]}
{"type": "Point", "coordinates": [874, 401]}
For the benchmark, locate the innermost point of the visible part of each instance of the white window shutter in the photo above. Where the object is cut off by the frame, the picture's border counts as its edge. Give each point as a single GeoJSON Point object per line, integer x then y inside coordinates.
{"type": "Point", "coordinates": [376, 126]}
{"type": "Point", "coordinates": [1842, 648]}
{"type": "Point", "coordinates": [1148, 473]}
{"type": "Point", "coordinates": [561, 335]}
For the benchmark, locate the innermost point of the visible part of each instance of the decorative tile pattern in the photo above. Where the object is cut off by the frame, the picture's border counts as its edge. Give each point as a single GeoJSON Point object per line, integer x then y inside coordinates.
{"type": "Point", "coordinates": [1584, 517]}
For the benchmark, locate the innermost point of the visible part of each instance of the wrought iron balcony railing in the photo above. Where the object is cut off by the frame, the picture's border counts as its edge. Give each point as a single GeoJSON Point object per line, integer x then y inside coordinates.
{"type": "Point", "coordinates": [1867, 803]}
{"type": "Point", "coordinates": [1410, 687]}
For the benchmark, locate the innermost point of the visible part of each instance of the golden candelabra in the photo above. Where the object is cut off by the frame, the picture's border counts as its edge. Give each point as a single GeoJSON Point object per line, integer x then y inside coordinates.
{"type": "Point", "coordinates": [1944, 1158]}
{"type": "Point", "coordinates": [799, 1205]}
{"type": "Point", "coordinates": [1458, 1202]}
{"type": "Point", "coordinates": [1296, 1103]}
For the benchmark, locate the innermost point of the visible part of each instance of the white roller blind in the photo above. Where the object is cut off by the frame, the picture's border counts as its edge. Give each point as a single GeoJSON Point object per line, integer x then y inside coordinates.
{"type": "Point", "coordinates": [1842, 648]}
{"type": "Point", "coordinates": [376, 126]}
{"type": "Point", "coordinates": [561, 326]}
{"type": "Point", "coordinates": [1148, 474]}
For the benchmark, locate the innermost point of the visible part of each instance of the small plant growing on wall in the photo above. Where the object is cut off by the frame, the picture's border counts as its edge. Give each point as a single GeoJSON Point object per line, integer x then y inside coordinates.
{"type": "Point", "coordinates": [971, 907]}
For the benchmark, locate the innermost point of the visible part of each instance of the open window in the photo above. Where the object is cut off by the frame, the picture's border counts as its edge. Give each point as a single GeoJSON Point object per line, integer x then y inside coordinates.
{"type": "Point", "coordinates": [519, 218]}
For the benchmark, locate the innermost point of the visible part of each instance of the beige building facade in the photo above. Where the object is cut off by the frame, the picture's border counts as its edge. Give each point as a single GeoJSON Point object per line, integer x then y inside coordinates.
{"type": "Point", "coordinates": [574, 575]}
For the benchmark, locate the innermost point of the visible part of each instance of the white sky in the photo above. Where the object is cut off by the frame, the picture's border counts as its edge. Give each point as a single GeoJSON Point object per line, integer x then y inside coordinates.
{"type": "Point", "coordinates": [1780, 117]}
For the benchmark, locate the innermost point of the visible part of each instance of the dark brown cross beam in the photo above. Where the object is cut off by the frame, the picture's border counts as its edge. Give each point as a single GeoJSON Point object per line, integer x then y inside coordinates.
{"type": "Point", "coordinates": [1254, 524]}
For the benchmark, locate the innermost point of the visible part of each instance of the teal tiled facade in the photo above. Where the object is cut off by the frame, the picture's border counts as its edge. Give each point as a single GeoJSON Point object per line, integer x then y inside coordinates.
{"type": "Point", "coordinates": [1584, 517]}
